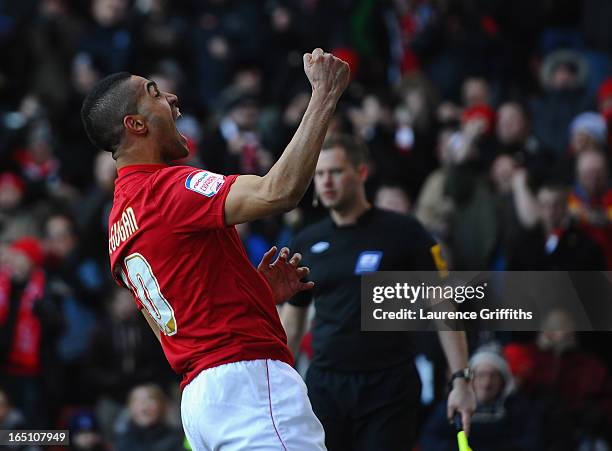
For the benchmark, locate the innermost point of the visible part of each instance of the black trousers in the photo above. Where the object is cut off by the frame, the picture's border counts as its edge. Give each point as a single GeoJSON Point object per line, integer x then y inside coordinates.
{"type": "Point", "coordinates": [366, 411]}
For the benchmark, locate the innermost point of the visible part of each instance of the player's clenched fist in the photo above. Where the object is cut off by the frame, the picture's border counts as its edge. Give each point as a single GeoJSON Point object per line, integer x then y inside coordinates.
{"type": "Point", "coordinates": [326, 73]}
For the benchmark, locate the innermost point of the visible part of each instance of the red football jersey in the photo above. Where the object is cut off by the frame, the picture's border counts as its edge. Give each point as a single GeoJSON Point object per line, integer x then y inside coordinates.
{"type": "Point", "coordinates": [169, 244]}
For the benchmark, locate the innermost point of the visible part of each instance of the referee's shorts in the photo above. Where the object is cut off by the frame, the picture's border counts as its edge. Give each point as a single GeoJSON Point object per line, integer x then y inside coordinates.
{"type": "Point", "coordinates": [366, 410]}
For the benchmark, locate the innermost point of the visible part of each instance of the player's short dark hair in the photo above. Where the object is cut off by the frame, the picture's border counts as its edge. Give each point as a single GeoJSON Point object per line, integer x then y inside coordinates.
{"type": "Point", "coordinates": [355, 149]}
{"type": "Point", "coordinates": [104, 108]}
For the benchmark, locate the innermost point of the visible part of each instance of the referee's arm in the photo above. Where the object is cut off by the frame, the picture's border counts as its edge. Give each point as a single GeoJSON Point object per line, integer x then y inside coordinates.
{"type": "Point", "coordinates": [294, 322]}
{"type": "Point", "coordinates": [461, 399]}
{"type": "Point", "coordinates": [294, 312]}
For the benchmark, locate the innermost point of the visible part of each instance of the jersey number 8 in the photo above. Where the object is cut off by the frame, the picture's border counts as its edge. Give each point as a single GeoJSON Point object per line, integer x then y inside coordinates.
{"type": "Point", "coordinates": [146, 288]}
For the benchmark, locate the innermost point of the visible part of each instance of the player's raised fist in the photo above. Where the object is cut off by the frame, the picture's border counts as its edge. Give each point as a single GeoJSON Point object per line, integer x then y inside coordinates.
{"type": "Point", "coordinates": [326, 73]}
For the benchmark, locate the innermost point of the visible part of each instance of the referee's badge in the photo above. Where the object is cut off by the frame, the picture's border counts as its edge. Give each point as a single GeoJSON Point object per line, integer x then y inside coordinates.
{"type": "Point", "coordinates": [368, 261]}
{"type": "Point", "coordinates": [319, 247]}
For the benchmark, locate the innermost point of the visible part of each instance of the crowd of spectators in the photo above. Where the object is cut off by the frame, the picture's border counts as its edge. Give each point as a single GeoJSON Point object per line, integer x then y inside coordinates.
{"type": "Point", "coordinates": [489, 120]}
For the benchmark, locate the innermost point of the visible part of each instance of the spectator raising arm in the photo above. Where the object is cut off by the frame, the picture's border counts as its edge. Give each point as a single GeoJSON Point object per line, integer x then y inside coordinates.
{"type": "Point", "coordinates": [252, 197]}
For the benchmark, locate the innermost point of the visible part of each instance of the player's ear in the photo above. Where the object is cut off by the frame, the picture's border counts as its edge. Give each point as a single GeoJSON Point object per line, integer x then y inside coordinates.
{"type": "Point", "coordinates": [135, 123]}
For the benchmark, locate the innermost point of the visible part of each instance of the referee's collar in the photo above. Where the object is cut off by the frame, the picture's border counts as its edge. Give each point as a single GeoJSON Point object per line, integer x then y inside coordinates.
{"type": "Point", "coordinates": [130, 169]}
{"type": "Point", "coordinates": [361, 219]}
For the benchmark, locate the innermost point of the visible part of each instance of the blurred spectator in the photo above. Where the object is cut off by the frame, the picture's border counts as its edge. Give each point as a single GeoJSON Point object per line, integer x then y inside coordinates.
{"type": "Point", "coordinates": [84, 433]}
{"type": "Point", "coordinates": [434, 207]}
{"type": "Point", "coordinates": [555, 243]}
{"type": "Point", "coordinates": [22, 287]}
{"type": "Point", "coordinates": [475, 91]}
{"type": "Point", "coordinates": [284, 42]}
{"type": "Point", "coordinates": [489, 212]}
{"type": "Point", "coordinates": [405, 155]}
{"type": "Point", "coordinates": [393, 197]}
{"type": "Point", "coordinates": [226, 32]}
{"type": "Point", "coordinates": [500, 422]}
{"type": "Point", "coordinates": [37, 162]}
{"type": "Point", "coordinates": [93, 211]}
{"type": "Point", "coordinates": [234, 145]}
{"type": "Point", "coordinates": [52, 39]}
{"type": "Point", "coordinates": [587, 131]}
{"type": "Point", "coordinates": [254, 243]}
{"type": "Point", "coordinates": [556, 370]}
{"type": "Point", "coordinates": [76, 285]}
{"type": "Point", "coordinates": [161, 33]}
{"type": "Point", "coordinates": [10, 417]}
{"type": "Point", "coordinates": [16, 219]}
{"type": "Point", "coordinates": [111, 37]}
{"type": "Point", "coordinates": [147, 429]}
{"type": "Point", "coordinates": [563, 78]}
{"type": "Point", "coordinates": [590, 201]}
{"type": "Point", "coordinates": [290, 119]}
{"type": "Point", "coordinates": [515, 138]}
{"type": "Point", "coordinates": [121, 354]}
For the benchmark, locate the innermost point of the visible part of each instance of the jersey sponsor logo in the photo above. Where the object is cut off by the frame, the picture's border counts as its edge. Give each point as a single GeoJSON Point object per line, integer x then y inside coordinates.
{"type": "Point", "coordinates": [122, 229]}
{"type": "Point", "coordinates": [319, 247]}
{"type": "Point", "coordinates": [204, 182]}
{"type": "Point", "coordinates": [368, 261]}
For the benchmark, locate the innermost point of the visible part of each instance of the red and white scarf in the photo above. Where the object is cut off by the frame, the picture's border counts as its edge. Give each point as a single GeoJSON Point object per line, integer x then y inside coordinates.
{"type": "Point", "coordinates": [24, 355]}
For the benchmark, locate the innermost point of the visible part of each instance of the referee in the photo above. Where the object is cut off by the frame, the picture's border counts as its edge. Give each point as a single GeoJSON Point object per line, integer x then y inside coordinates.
{"type": "Point", "coordinates": [364, 387]}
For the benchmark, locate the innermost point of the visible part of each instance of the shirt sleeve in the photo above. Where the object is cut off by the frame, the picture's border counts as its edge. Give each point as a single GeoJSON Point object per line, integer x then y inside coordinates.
{"type": "Point", "coordinates": [424, 252]}
{"type": "Point", "coordinates": [191, 199]}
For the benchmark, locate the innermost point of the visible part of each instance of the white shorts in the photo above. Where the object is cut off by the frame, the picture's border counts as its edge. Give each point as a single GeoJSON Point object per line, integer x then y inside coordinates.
{"type": "Point", "coordinates": [250, 405]}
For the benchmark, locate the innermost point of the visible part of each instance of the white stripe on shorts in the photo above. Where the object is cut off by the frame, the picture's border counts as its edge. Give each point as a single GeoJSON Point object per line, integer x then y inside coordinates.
{"type": "Point", "coordinates": [250, 405]}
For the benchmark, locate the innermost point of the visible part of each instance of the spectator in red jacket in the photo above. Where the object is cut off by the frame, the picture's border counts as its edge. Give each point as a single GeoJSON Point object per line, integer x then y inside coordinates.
{"type": "Point", "coordinates": [22, 286]}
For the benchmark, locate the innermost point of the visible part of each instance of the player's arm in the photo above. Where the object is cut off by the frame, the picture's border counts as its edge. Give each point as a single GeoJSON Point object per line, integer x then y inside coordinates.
{"type": "Point", "coordinates": [152, 323]}
{"type": "Point", "coordinates": [293, 319]}
{"type": "Point", "coordinates": [252, 197]}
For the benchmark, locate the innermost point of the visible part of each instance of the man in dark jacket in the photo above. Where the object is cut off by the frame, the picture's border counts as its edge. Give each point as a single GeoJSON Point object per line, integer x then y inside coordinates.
{"type": "Point", "coordinates": [556, 244]}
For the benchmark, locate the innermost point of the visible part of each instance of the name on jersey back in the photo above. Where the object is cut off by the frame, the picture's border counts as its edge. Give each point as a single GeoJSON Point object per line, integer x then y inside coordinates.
{"type": "Point", "coordinates": [122, 230]}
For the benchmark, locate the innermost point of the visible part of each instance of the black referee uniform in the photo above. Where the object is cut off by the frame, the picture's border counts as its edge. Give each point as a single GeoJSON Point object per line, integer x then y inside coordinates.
{"type": "Point", "coordinates": [363, 386]}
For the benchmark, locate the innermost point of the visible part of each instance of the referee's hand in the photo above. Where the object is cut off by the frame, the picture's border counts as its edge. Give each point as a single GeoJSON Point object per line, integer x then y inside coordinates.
{"type": "Point", "coordinates": [461, 400]}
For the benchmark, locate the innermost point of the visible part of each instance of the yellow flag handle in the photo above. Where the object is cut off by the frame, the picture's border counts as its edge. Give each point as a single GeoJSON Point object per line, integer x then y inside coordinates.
{"type": "Point", "coordinates": [462, 440]}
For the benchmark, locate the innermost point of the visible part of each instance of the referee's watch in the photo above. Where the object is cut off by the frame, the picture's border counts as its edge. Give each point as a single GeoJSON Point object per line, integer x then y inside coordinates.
{"type": "Point", "coordinates": [465, 373]}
